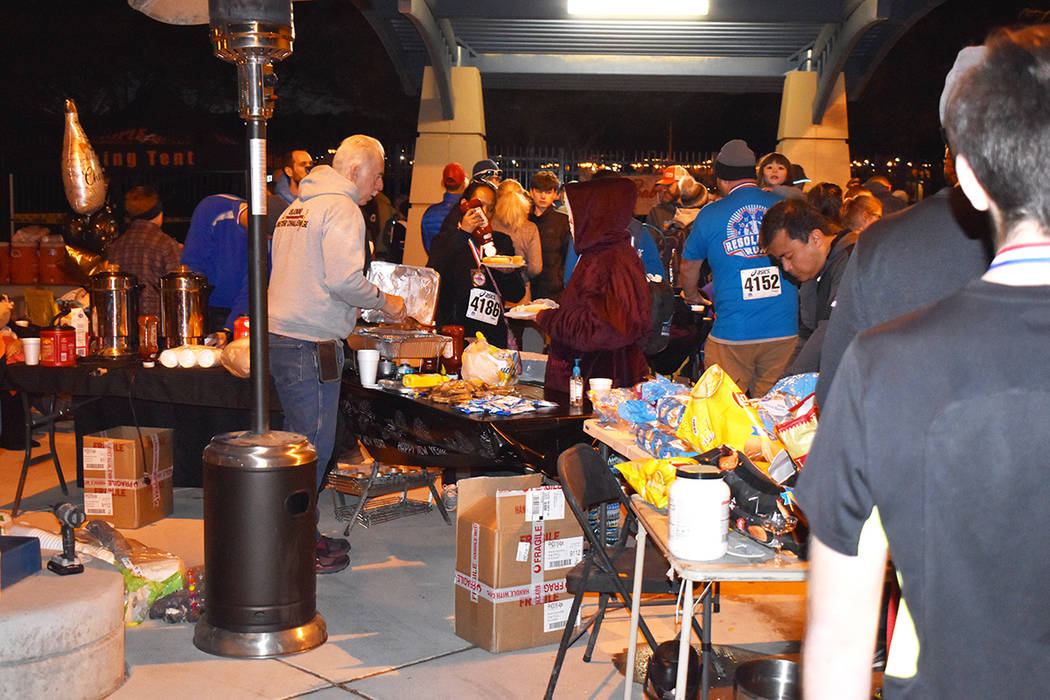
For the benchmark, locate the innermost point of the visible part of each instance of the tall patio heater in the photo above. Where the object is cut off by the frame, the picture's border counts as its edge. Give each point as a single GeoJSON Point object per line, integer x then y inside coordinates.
{"type": "Point", "coordinates": [260, 495]}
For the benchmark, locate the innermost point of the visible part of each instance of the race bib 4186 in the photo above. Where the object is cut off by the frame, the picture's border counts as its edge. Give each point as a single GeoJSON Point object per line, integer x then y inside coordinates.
{"type": "Point", "coordinates": [483, 306]}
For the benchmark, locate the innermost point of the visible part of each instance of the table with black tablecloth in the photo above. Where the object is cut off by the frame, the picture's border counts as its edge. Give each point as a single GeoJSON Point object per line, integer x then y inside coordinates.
{"type": "Point", "coordinates": [400, 429]}
{"type": "Point", "coordinates": [197, 403]}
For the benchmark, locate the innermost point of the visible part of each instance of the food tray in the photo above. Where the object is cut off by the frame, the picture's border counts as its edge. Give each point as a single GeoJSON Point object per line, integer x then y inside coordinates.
{"type": "Point", "coordinates": [394, 342]}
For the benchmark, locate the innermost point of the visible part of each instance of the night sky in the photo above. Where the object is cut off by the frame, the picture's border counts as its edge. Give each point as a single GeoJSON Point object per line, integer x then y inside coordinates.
{"type": "Point", "coordinates": [127, 71]}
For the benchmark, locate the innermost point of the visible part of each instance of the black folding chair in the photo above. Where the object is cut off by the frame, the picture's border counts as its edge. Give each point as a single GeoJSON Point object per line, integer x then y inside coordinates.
{"type": "Point", "coordinates": [587, 482]}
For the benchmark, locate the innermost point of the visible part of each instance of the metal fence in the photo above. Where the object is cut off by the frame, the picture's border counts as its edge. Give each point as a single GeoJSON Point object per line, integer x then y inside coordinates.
{"type": "Point", "coordinates": [573, 164]}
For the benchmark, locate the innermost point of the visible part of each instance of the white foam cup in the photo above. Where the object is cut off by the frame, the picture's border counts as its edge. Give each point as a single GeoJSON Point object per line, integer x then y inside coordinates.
{"type": "Point", "coordinates": [367, 365]}
{"type": "Point", "coordinates": [600, 385]}
{"type": "Point", "coordinates": [31, 349]}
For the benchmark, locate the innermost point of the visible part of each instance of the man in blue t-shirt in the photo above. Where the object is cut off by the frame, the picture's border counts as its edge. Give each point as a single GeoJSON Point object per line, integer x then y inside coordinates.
{"type": "Point", "coordinates": [217, 247]}
{"type": "Point", "coordinates": [756, 308]}
{"type": "Point", "coordinates": [454, 180]}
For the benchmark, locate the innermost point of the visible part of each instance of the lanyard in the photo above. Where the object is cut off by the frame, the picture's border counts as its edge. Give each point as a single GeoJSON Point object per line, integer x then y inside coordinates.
{"type": "Point", "coordinates": [511, 340]}
{"type": "Point", "coordinates": [1022, 253]}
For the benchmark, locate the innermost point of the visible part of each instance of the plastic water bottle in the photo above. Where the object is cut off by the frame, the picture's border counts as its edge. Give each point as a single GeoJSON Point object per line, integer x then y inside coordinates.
{"type": "Point", "coordinates": [576, 386]}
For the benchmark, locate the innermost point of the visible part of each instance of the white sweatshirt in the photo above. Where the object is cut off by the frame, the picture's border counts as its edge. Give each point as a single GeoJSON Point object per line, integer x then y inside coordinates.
{"type": "Point", "coordinates": [317, 283]}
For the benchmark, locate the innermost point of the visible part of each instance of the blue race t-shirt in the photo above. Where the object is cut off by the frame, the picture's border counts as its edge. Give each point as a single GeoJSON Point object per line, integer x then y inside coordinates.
{"type": "Point", "coordinates": [753, 301]}
{"type": "Point", "coordinates": [217, 247]}
{"type": "Point", "coordinates": [434, 216]}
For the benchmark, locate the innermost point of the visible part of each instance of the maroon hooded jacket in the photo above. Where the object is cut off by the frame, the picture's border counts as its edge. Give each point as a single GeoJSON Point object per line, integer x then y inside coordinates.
{"type": "Point", "coordinates": [605, 309]}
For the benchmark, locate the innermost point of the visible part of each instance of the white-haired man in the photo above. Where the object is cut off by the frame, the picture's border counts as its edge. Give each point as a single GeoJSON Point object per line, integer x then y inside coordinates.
{"type": "Point", "coordinates": [317, 285]}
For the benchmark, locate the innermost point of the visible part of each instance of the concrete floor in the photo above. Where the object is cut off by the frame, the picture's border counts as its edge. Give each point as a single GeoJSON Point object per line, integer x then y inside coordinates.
{"type": "Point", "coordinates": [389, 618]}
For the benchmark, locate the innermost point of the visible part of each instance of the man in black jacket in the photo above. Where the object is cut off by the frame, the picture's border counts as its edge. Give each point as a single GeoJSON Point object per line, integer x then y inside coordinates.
{"type": "Point", "coordinates": [814, 251]}
{"type": "Point", "coordinates": [555, 238]}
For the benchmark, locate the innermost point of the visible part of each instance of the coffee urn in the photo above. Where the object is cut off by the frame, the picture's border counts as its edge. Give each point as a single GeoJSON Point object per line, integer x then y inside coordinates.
{"type": "Point", "coordinates": [114, 312]}
{"type": "Point", "coordinates": [183, 301]}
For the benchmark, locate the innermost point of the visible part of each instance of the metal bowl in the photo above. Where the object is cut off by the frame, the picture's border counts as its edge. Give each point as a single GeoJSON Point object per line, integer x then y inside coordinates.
{"type": "Point", "coordinates": [767, 679]}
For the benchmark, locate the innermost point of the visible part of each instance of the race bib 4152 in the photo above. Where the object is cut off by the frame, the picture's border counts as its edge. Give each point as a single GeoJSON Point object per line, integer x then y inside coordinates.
{"type": "Point", "coordinates": [760, 282]}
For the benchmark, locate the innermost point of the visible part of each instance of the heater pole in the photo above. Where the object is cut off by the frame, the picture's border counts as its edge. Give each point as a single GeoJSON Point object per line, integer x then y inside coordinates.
{"type": "Point", "coordinates": [257, 268]}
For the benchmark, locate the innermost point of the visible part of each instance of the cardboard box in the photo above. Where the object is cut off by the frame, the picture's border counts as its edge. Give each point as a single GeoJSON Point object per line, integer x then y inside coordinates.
{"type": "Point", "coordinates": [19, 558]}
{"type": "Point", "coordinates": [127, 482]}
{"type": "Point", "coordinates": [515, 541]}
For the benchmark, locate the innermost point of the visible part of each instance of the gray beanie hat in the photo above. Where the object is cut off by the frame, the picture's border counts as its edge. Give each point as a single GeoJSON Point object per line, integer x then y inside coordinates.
{"type": "Point", "coordinates": [964, 61]}
{"type": "Point", "coordinates": [736, 161]}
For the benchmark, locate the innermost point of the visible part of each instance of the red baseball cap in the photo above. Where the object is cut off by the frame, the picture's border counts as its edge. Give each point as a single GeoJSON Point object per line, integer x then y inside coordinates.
{"type": "Point", "coordinates": [453, 175]}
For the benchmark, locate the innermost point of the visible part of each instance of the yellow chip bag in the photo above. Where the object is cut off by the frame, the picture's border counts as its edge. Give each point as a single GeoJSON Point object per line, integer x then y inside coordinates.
{"type": "Point", "coordinates": [651, 478]}
{"type": "Point", "coordinates": [718, 413]}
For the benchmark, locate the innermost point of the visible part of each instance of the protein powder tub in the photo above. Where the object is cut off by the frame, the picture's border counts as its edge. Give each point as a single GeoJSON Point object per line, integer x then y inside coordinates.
{"type": "Point", "coordinates": [698, 513]}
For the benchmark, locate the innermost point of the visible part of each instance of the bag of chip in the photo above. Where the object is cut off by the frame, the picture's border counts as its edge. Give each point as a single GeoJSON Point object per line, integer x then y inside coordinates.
{"type": "Point", "coordinates": [797, 433]}
{"type": "Point", "coordinates": [719, 413]}
{"type": "Point", "coordinates": [651, 478]}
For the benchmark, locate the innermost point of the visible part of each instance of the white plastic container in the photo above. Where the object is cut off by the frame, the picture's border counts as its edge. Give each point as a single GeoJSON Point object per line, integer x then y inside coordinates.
{"type": "Point", "coordinates": [698, 513]}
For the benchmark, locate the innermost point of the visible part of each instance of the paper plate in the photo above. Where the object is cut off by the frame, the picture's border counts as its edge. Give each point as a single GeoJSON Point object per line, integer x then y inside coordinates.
{"type": "Point", "coordinates": [504, 266]}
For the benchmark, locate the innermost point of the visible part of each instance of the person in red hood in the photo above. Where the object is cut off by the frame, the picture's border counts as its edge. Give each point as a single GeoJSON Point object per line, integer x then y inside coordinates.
{"type": "Point", "coordinates": [605, 309]}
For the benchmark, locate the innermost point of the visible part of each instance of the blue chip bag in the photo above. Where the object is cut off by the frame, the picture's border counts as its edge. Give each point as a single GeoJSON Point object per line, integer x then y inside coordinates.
{"type": "Point", "coordinates": [658, 387]}
{"type": "Point", "coordinates": [635, 411]}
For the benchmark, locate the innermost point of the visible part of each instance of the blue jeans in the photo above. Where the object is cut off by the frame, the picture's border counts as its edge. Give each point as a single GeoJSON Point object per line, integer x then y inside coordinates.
{"type": "Point", "coordinates": [309, 406]}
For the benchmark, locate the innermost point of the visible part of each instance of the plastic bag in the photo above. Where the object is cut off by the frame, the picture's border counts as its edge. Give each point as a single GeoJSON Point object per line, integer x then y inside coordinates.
{"type": "Point", "coordinates": [651, 478]}
{"type": "Point", "coordinates": [236, 358]}
{"type": "Point", "coordinates": [606, 406]}
{"type": "Point", "coordinates": [775, 407]}
{"type": "Point", "coordinates": [662, 443]}
{"type": "Point", "coordinates": [489, 364]}
{"type": "Point", "coordinates": [720, 414]}
{"type": "Point", "coordinates": [671, 408]}
{"type": "Point", "coordinates": [658, 387]}
{"type": "Point", "coordinates": [148, 573]}
{"type": "Point", "coordinates": [636, 411]}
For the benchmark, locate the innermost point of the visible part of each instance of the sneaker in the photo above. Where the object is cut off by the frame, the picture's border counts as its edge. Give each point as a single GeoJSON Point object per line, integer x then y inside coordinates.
{"type": "Point", "coordinates": [332, 546]}
{"type": "Point", "coordinates": [450, 499]}
{"type": "Point", "coordinates": [331, 565]}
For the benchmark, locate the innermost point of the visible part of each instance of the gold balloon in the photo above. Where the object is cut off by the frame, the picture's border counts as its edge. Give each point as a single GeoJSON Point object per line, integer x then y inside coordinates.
{"type": "Point", "coordinates": [81, 173]}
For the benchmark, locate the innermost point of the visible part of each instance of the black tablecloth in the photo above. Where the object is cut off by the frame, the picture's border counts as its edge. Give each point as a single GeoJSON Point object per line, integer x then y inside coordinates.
{"type": "Point", "coordinates": [196, 403]}
{"type": "Point", "coordinates": [200, 403]}
{"type": "Point", "coordinates": [398, 429]}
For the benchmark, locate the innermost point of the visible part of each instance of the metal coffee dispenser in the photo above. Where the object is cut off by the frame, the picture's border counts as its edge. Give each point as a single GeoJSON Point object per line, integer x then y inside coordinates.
{"type": "Point", "coordinates": [183, 302]}
{"type": "Point", "coordinates": [114, 312]}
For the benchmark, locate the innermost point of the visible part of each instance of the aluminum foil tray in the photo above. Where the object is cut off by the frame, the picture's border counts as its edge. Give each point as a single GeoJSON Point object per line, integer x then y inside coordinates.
{"type": "Point", "coordinates": [418, 286]}
{"type": "Point", "coordinates": [394, 342]}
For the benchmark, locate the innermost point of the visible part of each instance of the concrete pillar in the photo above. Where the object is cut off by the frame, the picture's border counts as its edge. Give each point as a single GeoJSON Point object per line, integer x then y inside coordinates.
{"type": "Point", "coordinates": [442, 141]}
{"type": "Point", "coordinates": [822, 149]}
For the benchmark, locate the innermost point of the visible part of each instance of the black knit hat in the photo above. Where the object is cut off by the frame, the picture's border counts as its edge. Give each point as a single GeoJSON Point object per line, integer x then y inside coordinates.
{"type": "Point", "coordinates": [736, 161]}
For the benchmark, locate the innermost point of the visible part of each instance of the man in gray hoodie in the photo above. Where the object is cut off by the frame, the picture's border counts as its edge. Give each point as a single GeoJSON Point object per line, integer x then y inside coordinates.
{"type": "Point", "coordinates": [317, 286]}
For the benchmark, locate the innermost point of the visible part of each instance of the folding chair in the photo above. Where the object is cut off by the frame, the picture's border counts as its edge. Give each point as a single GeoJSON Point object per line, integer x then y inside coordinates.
{"type": "Point", "coordinates": [587, 482]}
